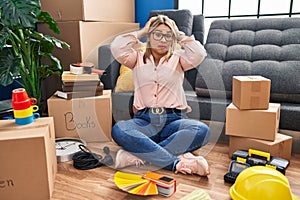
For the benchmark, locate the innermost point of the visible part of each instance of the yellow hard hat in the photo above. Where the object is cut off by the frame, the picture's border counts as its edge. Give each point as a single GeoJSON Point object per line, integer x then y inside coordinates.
{"type": "Point", "coordinates": [260, 182]}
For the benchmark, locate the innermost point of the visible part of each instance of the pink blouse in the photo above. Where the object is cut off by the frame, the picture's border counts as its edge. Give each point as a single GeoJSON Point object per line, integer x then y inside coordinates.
{"type": "Point", "coordinates": [161, 85]}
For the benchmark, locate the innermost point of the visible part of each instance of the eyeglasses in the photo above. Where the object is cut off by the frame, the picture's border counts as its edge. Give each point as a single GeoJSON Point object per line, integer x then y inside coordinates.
{"type": "Point", "coordinates": [157, 35]}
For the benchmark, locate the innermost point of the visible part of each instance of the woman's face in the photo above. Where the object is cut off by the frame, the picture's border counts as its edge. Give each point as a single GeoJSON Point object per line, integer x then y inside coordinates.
{"type": "Point", "coordinates": [161, 39]}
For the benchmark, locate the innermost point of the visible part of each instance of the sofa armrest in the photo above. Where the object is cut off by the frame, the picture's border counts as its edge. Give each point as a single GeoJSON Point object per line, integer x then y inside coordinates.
{"type": "Point", "coordinates": [111, 66]}
{"type": "Point", "coordinates": [198, 28]}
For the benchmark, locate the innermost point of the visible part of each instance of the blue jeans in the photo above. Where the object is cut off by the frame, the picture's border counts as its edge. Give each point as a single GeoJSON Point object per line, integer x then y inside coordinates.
{"type": "Point", "coordinates": [159, 138]}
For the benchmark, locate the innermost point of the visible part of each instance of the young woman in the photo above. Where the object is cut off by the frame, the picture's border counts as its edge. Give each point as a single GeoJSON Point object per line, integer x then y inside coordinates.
{"type": "Point", "coordinates": [160, 132]}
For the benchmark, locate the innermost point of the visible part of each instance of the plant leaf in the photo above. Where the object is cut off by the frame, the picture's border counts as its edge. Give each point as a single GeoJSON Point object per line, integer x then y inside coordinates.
{"type": "Point", "coordinates": [8, 69]}
{"type": "Point", "coordinates": [19, 13]}
{"type": "Point", "coordinates": [4, 35]}
{"type": "Point", "coordinates": [46, 18]}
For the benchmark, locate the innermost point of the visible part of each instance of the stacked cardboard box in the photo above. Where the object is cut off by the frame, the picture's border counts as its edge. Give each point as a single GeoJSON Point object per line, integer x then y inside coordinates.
{"type": "Point", "coordinates": [28, 159]}
{"type": "Point", "coordinates": [252, 121]}
{"type": "Point", "coordinates": [88, 118]}
{"type": "Point", "coordinates": [87, 24]}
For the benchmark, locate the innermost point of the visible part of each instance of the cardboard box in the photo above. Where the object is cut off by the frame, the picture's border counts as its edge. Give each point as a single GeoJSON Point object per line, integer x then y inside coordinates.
{"type": "Point", "coordinates": [85, 38]}
{"type": "Point", "coordinates": [281, 147]}
{"type": "Point", "coordinates": [28, 159]}
{"type": "Point", "coordinates": [90, 10]}
{"type": "Point", "coordinates": [251, 92]}
{"type": "Point", "coordinates": [259, 124]}
{"type": "Point", "coordinates": [87, 118]}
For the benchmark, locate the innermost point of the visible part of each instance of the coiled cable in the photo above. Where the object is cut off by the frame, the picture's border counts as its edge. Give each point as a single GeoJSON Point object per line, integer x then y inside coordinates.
{"type": "Point", "coordinates": [86, 159]}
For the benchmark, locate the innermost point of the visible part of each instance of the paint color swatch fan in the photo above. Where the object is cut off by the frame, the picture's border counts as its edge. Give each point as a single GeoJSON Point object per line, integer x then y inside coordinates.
{"type": "Point", "coordinates": [148, 183]}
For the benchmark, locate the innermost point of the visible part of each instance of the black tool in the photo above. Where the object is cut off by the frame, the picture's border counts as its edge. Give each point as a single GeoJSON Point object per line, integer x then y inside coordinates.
{"type": "Point", "coordinates": [107, 160]}
{"type": "Point", "coordinates": [243, 159]}
{"type": "Point", "coordinates": [255, 157]}
{"type": "Point", "coordinates": [235, 168]}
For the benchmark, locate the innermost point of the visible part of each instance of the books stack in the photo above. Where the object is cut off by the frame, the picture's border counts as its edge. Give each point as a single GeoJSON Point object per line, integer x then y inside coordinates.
{"type": "Point", "coordinates": [80, 85]}
{"type": "Point", "coordinates": [149, 183]}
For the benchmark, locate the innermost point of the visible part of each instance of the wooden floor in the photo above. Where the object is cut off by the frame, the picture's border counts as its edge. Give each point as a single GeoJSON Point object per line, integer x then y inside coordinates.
{"type": "Point", "coordinates": [94, 184]}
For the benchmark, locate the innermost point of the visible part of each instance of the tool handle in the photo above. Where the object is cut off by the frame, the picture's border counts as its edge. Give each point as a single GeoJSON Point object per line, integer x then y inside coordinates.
{"type": "Point", "coordinates": [259, 153]}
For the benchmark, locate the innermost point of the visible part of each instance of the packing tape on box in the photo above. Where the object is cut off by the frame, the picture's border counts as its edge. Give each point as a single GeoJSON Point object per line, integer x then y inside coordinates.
{"type": "Point", "coordinates": [76, 69]}
{"type": "Point", "coordinates": [84, 68]}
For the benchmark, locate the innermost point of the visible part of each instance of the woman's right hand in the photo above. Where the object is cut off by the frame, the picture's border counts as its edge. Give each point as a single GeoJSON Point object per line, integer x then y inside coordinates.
{"type": "Point", "coordinates": [145, 30]}
{"type": "Point", "coordinates": [147, 25]}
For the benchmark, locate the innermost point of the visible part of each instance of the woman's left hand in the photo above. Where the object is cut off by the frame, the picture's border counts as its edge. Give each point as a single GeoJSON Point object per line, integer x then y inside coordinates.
{"type": "Point", "coordinates": [174, 26]}
{"type": "Point", "coordinates": [179, 34]}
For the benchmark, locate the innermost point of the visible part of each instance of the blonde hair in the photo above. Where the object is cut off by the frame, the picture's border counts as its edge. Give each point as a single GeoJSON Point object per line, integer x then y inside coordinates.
{"type": "Point", "coordinates": [160, 19]}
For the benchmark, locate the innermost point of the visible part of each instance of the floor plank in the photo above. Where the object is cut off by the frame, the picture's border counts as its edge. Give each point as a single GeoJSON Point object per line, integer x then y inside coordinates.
{"type": "Point", "coordinates": [98, 183]}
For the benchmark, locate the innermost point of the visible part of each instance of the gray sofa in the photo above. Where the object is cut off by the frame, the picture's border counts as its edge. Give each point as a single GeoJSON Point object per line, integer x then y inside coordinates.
{"type": "Point", "coordinates": [266, 47]}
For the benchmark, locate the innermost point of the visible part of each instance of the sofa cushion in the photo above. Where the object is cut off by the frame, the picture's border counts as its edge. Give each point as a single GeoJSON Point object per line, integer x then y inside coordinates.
{"type": "Point", "coordinates": [266, 47]}
{"type": "Point", "coordinates": [183, 18]}
{"type": "Point", "coordinates": [125, 80]}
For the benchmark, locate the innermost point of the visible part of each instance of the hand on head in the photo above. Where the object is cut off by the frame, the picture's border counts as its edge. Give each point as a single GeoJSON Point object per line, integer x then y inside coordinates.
{"type": "Point", "coordinates": [149, 22]}
{"type": "Point", "coordinates": [146, 29]}
{"type": "Point", "coordinates": [174, 26]}
{"type": "Point", "coordinates": [152, 19]}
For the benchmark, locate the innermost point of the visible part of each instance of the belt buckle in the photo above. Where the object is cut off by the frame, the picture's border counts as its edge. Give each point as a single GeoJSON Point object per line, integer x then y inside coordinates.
{"type": "Point", "coordinates": [157, 111]}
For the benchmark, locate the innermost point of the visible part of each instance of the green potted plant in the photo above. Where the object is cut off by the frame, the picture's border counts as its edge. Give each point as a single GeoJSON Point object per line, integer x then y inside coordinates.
{"type": "Point", "coordinates": [25, 54]}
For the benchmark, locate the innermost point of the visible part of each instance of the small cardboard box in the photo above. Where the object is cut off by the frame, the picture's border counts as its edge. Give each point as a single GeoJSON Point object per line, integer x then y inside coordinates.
{"type": "Point", "coordinates": [259, 124]}
{"type": "Point", "coordinates": [281, 147]}
{"type": "Point", "coordinates": [28, 159]}
{"type": "Point", "coordinates": [251, 92]}
{"type": "Point", "coordinates": [88, 118]}
{"type": "Point", "coordinates": [84, 39]}
{"type": "Point", "coordinates": [90, 10]}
